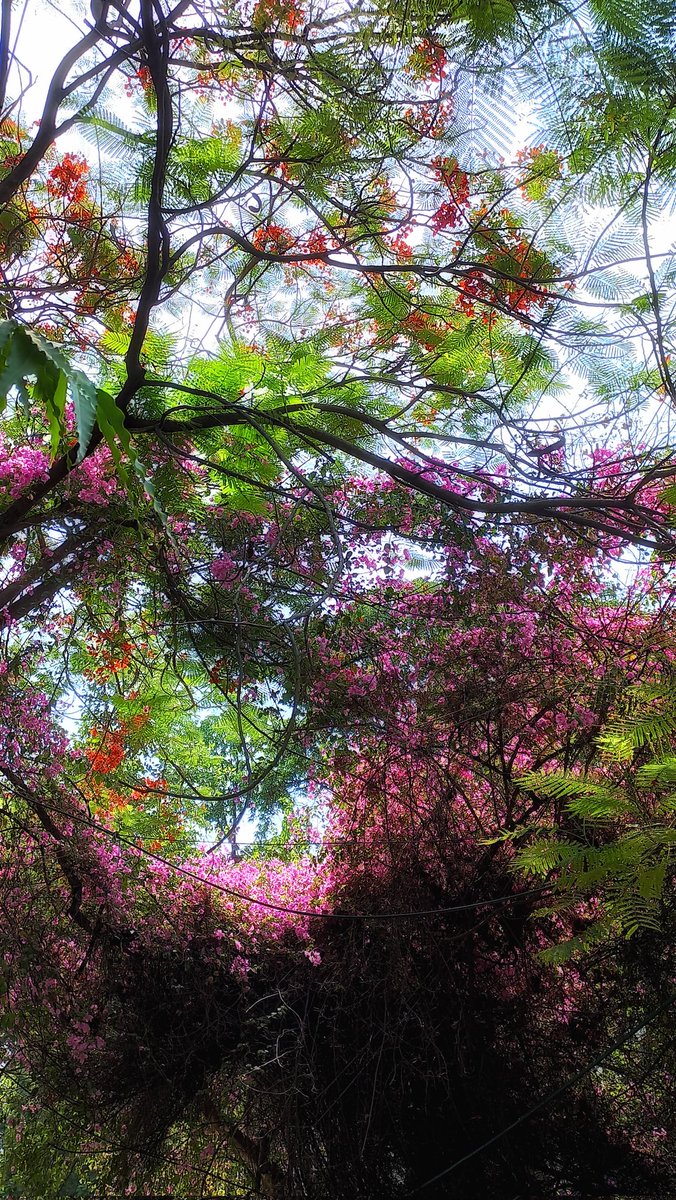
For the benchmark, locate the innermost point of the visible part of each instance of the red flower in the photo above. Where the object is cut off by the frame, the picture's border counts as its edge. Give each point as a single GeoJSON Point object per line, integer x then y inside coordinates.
{"type": "Point", "coordinates": [274, 239]}
{"type": "Point", "coordinates": [449, 214]}
{"type": "Point", "coordinates": [66, 178]}
{"type": "Point", "coordinates": [428, 61]}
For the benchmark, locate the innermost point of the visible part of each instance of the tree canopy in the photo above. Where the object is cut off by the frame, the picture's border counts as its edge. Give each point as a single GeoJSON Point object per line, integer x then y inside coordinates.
{"type": "Point", "coordinates": [337, 700]}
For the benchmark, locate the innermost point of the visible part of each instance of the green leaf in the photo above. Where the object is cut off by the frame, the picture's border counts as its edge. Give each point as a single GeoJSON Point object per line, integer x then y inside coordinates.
{"type": "Point", "coordinates": [25, 353]}
{"type": "Point", "coordinates": [110, 420]}
{"type": "Point", "coordinates": [55, 413]}
{"type": "Point", "coordinates": [563, 951]}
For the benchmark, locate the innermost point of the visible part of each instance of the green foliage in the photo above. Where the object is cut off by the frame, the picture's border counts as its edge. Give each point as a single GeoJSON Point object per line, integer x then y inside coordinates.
{"type": "Point", "coordinates": [34, 1159]}
{"type": "Point", "coordinates": [649, 722]}
{"type": "Point", "coordinates": [304, 286]}
{"type": "Point", "coordinates": [32, 367]}
{"type": "Point", "coordinates": [619, 841]}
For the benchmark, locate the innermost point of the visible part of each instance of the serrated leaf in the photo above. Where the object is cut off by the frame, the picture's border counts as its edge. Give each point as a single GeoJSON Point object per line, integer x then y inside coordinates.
{"type": "Point", "coordinates": [85, 405]}
{"type": "Point", "coordinates": [24, 353]}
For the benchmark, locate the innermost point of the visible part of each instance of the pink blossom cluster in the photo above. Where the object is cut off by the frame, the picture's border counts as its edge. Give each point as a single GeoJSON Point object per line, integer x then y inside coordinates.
{"type": "Point", "coordinates": [30, 743]}
{"type": "Point", "coordinates": [21, 468]}
{"type": "Point", "coordinates": [264, 901]}
{"type": "Point", "coordinates": [224, 568]}
{"type": "Point", "coordinates": [95, 480]}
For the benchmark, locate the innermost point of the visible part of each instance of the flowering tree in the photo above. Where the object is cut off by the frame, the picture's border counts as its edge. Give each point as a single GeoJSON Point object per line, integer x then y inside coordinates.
{"type": "Point", "coordinates": [393, 938]}
{"type": "Point", "coordinates": [323, 426]}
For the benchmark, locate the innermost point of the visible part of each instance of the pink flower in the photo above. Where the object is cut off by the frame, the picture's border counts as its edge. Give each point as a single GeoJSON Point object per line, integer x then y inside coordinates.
{"type": "Point", "coordinates": [224, 568]}
{"type": "Point", "coordinates": [22, 468]}
{"type": "Point", "coordinates": [240, 967]}
{"type": "Point", "coordinates": [95, 478]}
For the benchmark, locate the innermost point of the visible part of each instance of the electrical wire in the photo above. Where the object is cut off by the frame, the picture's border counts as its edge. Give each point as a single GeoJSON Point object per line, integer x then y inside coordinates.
{"type": "Point", "coordinates": [549, 1098]}
{"type": "Point", "coordinates": [186, 872]}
